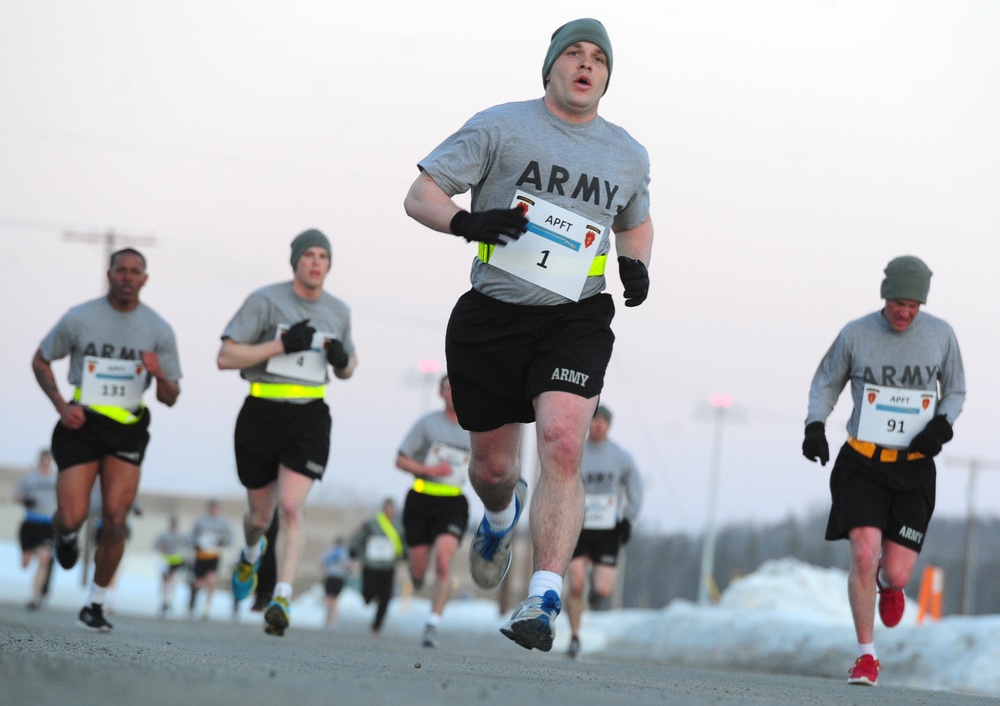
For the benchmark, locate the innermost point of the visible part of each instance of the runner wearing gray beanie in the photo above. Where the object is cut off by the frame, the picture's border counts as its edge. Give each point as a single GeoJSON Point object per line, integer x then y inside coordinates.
{"type": "Point", "coordinates": [907, 277]}
{"type": "Point", "coordinates": [309, 239]}
{"type": "Point", "coordinates": [582, 30]}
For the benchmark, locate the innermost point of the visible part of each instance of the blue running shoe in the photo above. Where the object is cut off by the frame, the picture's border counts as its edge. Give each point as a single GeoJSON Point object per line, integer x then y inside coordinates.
{"type": "Point", "coordinates": [245, 574]}
{"type": "Point", "coordinates": [277, 617]}
{"type": "Point", "coordinates": [533, 625]}
{"type": "Point", "coordinates": [489, 555]}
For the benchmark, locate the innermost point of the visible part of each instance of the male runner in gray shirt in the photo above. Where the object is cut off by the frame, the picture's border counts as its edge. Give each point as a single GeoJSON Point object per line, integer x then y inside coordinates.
{"type": "Point", "coordinates": [614, 497]}
{"type": "Point", "coordinates": [436, 451]}
{"type": "Point", "coordinates": [530, 342]}
{"type": "Point", "coordinates": [283, 340]}
{"type": "Point", "coordinates": [117, 347]}
{"type": "Point", "coordinates": [908, 388]}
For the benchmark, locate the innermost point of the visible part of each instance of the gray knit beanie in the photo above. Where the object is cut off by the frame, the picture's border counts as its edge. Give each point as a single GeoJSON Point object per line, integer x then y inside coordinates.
{"type": "Point", "coordinates": [603, 411]}
{"type": "Point", "coordinates": [309, 239]}
{"type": "Point", "coordinates": [906, 277]}
{"type": "Point", "coordinates": [582, 30]}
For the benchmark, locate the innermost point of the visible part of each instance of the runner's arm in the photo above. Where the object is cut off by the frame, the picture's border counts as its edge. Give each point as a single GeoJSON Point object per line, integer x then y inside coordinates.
{"type": "Point", "coordinates": [238, 356]}
{"type": "Point", "coordinates": [429, 205]}
{"type": "Point", "coordinates": [636, 243]}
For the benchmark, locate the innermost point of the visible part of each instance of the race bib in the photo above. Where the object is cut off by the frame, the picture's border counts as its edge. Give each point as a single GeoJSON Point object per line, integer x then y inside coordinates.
{"type": "Point", "coordinates": [458, 459]}
{"type": "Point", "coordinates": [308, 366]}
{"type": "Point", "coordinates": [602, 511]}
{"type": "Point", "coordinates": [106, 381]}
{"type": "Point", "coordinates": [556, 252]}
{"type": "Point", "coordinates": [892, 416]}
{"type": "Point", "coordinates": [379, 548]}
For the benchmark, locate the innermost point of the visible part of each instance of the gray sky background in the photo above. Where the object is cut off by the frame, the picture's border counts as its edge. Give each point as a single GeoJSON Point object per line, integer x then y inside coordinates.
{"type": "Point", "coordinates": [796, 147]}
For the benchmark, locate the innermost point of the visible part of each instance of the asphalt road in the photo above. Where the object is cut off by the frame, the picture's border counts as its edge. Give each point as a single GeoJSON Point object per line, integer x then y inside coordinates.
{"type": "Point", "coordinates": [45, 658]}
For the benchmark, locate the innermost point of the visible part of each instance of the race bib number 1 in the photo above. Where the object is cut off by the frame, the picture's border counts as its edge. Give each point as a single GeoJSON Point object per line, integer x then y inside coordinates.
{"type": "Point", "coordinates": [107, 381]}
{"type": "Point", "coordinates": [892, 416]}
{"type": "Point", "coordinates": [557, 251]}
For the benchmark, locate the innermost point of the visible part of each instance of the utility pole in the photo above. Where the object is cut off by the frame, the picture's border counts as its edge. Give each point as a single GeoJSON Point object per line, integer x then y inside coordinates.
{"type": "Point", "coordinates": [968, 563]}
{"type": "Point", "coordinates": [721, 405]}
{"type": "Point", "coordinates": [111, 240]}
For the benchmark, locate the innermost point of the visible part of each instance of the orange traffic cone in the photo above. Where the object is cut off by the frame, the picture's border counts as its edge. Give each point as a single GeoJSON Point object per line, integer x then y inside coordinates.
{"type": "Point", "coordinates": [931, 588]}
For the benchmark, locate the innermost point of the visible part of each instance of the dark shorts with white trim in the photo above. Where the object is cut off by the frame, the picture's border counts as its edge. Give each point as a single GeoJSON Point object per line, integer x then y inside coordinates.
{"type": "Point", "coordinates": [501, 356]}
{"type": "Point", "coordinates": [100, 436]}
{"type": "Point", "coordinates": [270, 433]}
{"type": "Point", "coordinates": [427, 516]}
{"type": "Point", "coordinates": [897, 497]}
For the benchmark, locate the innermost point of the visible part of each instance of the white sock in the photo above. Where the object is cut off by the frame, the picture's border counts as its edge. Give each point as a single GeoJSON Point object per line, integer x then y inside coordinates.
{"type": "Point", "coordinates": [542, 581]}
{"type": "Point", "coordinates": [502, 521]}
{"type": "Point", "coordinates": [98, 594]}
{"type": "Point", "coordinates": [252, 553]}
{"type": "Point", "coordinates": [866, 648]}
{"type": "Point", "coordinates": [284, 590]}
{"type": "Point", "coordinates": [881, 580]}
{"type": "Point", "coordinates": [434, 619]}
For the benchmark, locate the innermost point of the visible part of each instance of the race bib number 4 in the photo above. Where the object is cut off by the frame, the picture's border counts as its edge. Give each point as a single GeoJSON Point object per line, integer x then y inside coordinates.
{"type": "Point", "coordinates": [308, 366]}
{"type": "Point", "coordinates": [117, 383]}
{"type": "Point", "coordinates": [557, 251]}
{"type": "Point", "coordinates": [892, 416]}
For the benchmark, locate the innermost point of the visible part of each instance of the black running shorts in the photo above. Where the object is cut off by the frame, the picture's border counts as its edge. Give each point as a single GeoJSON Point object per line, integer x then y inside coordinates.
{"type": "Point", "coordinates": [501, 356]}
{"type": "Point", "coordinates": [269, 434]}
{"type": "Point", "coordinates": [898, 498]}
{"type": "Point", "coordinates": [600, 546]}
{"type": "Point", "coordinates": [100, 436]}
{"type": "Point", "coordinates": [34, 535]}
{"type": "Point", "coordinates": [427, 516]}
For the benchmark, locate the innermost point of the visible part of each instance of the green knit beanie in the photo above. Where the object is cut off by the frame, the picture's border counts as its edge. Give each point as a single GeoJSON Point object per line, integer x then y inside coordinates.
{"type": "Point", "coordinates": [309, 239]}
{"type": "Point", "coordinates": [582, 30]}
{"type": "Point", "coordinates": [906, 277]}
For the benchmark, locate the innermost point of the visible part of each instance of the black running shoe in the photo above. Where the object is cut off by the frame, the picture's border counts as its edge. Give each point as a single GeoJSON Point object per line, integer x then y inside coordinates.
{"type": "Point", "coordinates": [67, 552]}
{"type": "Point", "coordinates": [92, 618]}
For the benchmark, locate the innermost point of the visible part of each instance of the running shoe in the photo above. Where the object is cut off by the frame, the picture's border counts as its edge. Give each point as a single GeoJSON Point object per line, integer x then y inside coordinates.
{"type": "Point", "coordinates": [533, 625]}
{"type": "Point", "coordinates": [574, 647]}
{"type": "Point", "coordinates": [277, 616]}
{"type": "Point", "coordinates": [489, 555]}
{"type": "Point", "coordinates": [92, 618]}
{"type": "Point", "coordinates": [864, 671]}
{"type": "Point", "coordinates": [67, 552]}
{"type": "Point", "coordinates": [430, 638]}
{"type": "Point", "coordinates": [891, 602]}
{"type": "Point", "coordinates": [244, 580]}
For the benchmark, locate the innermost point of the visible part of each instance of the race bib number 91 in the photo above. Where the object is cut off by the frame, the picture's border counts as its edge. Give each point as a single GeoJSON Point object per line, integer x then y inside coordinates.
{"type": "Point", "coordinates": [892, 416]}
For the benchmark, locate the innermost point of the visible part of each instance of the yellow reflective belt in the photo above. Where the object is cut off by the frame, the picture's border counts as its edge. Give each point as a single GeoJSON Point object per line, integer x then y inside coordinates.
{"type": "Point", "coordinates": [284, 391]}
{"type": "Point", "coordinates": [443, 490]}
{"type": "Point", "coordinates": [596, 267]}
{"type": "Point", "coordinates": [118, 414]}
{"type": "Point", "coordinates": [386, 524]}
{"type": "Point", "coordinates": [868, 450]}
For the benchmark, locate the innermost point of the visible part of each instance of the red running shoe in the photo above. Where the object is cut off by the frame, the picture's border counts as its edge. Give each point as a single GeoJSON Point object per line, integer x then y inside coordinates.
{"type": "Point", "coordinates": [864, 671]}
{"type": "Point", "coordinates": [891, 602]}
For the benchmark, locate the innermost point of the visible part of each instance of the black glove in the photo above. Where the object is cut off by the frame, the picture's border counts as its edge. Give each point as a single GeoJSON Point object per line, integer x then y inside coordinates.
{"type": "Point", "coordinates": [814, 447]}
{"type": "Point", "coordinates": [624, 529]}
{"type": "Point", "coordinates": [495, 226]}
{"type": "Point", "coordinates": [299, 337]}
{"type": "Point", "coordinates": [29, 503]}
{"type": "Point", "coordinates": [933, 436]}
{"type": "Point", "coordinates": [635, 278]}
{"type": "Point", "coordinates": [336, 355]}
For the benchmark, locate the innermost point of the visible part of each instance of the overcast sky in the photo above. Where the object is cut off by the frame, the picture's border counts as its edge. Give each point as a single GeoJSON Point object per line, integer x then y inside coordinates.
{"type": "Point", "coordinates": [796, 147]}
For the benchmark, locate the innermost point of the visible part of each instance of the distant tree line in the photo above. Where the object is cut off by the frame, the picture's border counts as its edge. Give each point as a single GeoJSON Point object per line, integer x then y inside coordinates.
{"type": "Point", "coordinates": [660, 568]}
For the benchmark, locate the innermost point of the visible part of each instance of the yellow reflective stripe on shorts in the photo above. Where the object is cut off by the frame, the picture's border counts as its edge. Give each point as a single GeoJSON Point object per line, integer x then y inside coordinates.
{"type": "Point", "coordinates": [118, 414]}
{"type": "Point", "coordinates": [442, 490]}
{"type": "Point", "coordinates": [868, 450]}
{"type": "Point", "coordinates": [596, 267]}
{"type": "Point", "coordinates": [285, 391]}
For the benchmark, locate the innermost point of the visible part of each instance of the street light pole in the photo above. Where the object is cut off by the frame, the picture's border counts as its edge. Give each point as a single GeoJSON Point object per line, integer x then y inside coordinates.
{"type": "Point", "coordinates": [720, 406]}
